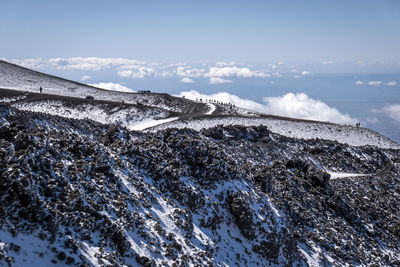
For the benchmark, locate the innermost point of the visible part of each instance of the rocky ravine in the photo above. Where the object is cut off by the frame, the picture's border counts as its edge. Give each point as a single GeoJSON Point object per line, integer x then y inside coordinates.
{"type": "Point", "coordinates": [82, 193]}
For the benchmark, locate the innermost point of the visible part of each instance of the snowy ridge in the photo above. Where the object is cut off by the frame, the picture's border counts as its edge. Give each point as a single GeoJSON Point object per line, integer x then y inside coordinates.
{"type": "Point", "coordinates": [345, 134]}
{"type": "Point", "coordinates": [26, 80]}
{"type": "Point", "coordinates": [163, 107]}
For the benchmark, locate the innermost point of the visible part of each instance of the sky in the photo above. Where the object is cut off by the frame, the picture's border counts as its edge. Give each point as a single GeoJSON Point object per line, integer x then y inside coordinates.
{"type": "Point", "coordinates": [252, 31]}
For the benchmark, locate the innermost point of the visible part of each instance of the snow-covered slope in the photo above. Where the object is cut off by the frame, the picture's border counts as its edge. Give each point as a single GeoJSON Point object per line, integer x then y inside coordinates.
{"type": "Point", "coordinates": [22, 79]}
{"type": "Point", "coordinates": [196, 184]}
{"type": "Point", "coordinates": [84, 193]}
{"type": "Point", "coordinates": [345, 134]}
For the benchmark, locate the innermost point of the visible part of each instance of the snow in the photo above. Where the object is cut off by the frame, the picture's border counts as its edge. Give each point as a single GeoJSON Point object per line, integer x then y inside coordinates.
{"type": "Point", "coordinates": [89, 253]}
{"type": "Point", "coordinates": [212, 109]}
{"type": "Point", "coordinates": [11, 99]}
{"type": "Point", "coordinates": [313, 255]}
{"type": "Point", "coordinates": [337, 175]}
{"type": "Point", "coordinates": [34, 252]}
{"type": "Point", "coordinates": [311, 258]}
{"type": "Point", "coordinates": [346, 134]}
{"type": "Point", "coordinates": [129, 117]}
{"type": "Point", "coordinates": [148, 123]}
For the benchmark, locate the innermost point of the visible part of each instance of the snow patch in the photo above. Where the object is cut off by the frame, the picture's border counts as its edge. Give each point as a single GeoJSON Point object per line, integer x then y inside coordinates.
{"type": "Point", "coordinates": [211, 109]}
{"type": "Point", "coordinates": [337, 175]}
{"type": "Point", "coordinates": [148, 123]}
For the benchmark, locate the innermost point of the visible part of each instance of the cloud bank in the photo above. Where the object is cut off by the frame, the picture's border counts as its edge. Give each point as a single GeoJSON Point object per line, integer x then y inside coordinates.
{"type": "Point", "coordinates": [86, 77]}
{"type": "Point", "coordinates": [113, 87]}
{"type": "Point", "coordinates": [186, 80]}
{"type": "Point", "coordinates": [302, 106]}
{"type": "Point", "coordinates": [92, 63]}
{"type": "Point", "coordinates": [217, 80]}
{"type": "Point", "coordinates": [374, 82]}
{"type": "Point", "coordinates": [393, 111]}
{"type": "Point", "coordinates": [392, 83]}
{"type": "Point", "coordinates": [234, 72]}
{"type": "Point", "coordinates": [137, 72]}
{"type": "Point", "coordinates": [291, 105]}
{"type": "Point", "coordinates": [189, 72]}
{"type": "Point", "coordinates": [135, 69]}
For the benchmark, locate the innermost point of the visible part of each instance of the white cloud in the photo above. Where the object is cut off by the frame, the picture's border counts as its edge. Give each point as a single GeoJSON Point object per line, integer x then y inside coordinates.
{"type": "Point", "coordinates": [173, 65]}
{"type": "Point", "coordinates": [79, 63]}
{"type": "Point", "coordinates": [189, 72]}
{"type": "Point", "coordinates": [393, 111]}
{"type": "Point", "coordinates": [221, 64]}
{"type": "Point", "coordinates": [392, 83]}
{"type": "Point", "coordinates": [113, 87]}
{"type": "Point", "coordinates": [125, 73]}
{"type": "Point", "coordinates": [139, 73]}
{"type": "Point", "coordinates": [91, 63]}
{"type": "Point", "coordinates": [359, 82]}
{"type": "Point", "coordinates": [291, 105]}
{"type": "Point", "coordinates": [131, 68]}
{"type": "Point", "coordinates": [31, 63]}
{"type": "Point", "coordinates": [224, 64]}
{"type": "Point", "coordinates": [372, 120]}
{"type": "Point", "coordinates": [166, 74]}
{"type": "Point", "coordinates": [305, 73]}
{"type": "Point", "coordinates": [327, 62]}
{"type": "Point", "coordinates": [218, 80]}
{"type": "Point", "coordinates": [86, 77]}
{"type": "Point", "coordinates": [186, 80]}
{"type": "Point", "coordinates": [297, 76]}
{"type": "Point", "coordinates": [233, 72]}
{"type": "Point", "coordinates": [374, 82]}
{"type": "Point", "coordinates": [302, 106]}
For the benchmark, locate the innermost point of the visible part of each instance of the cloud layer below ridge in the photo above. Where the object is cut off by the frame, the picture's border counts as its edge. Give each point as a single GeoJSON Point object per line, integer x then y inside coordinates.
{"type": "Point", "coordinates": [292, 105]}
{"type": "Point", "coordinates": [113, 87]}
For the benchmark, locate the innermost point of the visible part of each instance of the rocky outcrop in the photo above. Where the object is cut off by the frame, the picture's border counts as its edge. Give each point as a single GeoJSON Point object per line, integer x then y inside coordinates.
{"type": "Point", "coordinates": [92, 194]}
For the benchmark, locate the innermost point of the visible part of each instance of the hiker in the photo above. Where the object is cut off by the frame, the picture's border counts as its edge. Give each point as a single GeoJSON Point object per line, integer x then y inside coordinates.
{"type": "Point", "coordinates": [41, 89]}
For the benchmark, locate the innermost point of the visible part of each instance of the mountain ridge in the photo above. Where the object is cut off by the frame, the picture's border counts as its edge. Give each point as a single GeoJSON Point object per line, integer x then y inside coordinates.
{"type": "Point", "coordinates": [91, 182]}
{"type": "Point", "coordinates": [167, 110]}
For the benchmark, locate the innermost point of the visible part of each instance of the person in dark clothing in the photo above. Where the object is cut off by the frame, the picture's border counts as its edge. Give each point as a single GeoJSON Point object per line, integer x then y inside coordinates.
{"type": "Point", "coordinates": [41, 89]}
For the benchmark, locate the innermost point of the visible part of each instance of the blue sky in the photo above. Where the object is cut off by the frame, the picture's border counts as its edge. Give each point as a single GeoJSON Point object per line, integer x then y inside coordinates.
{"type": "Point", "coordinates": [250, 31]}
